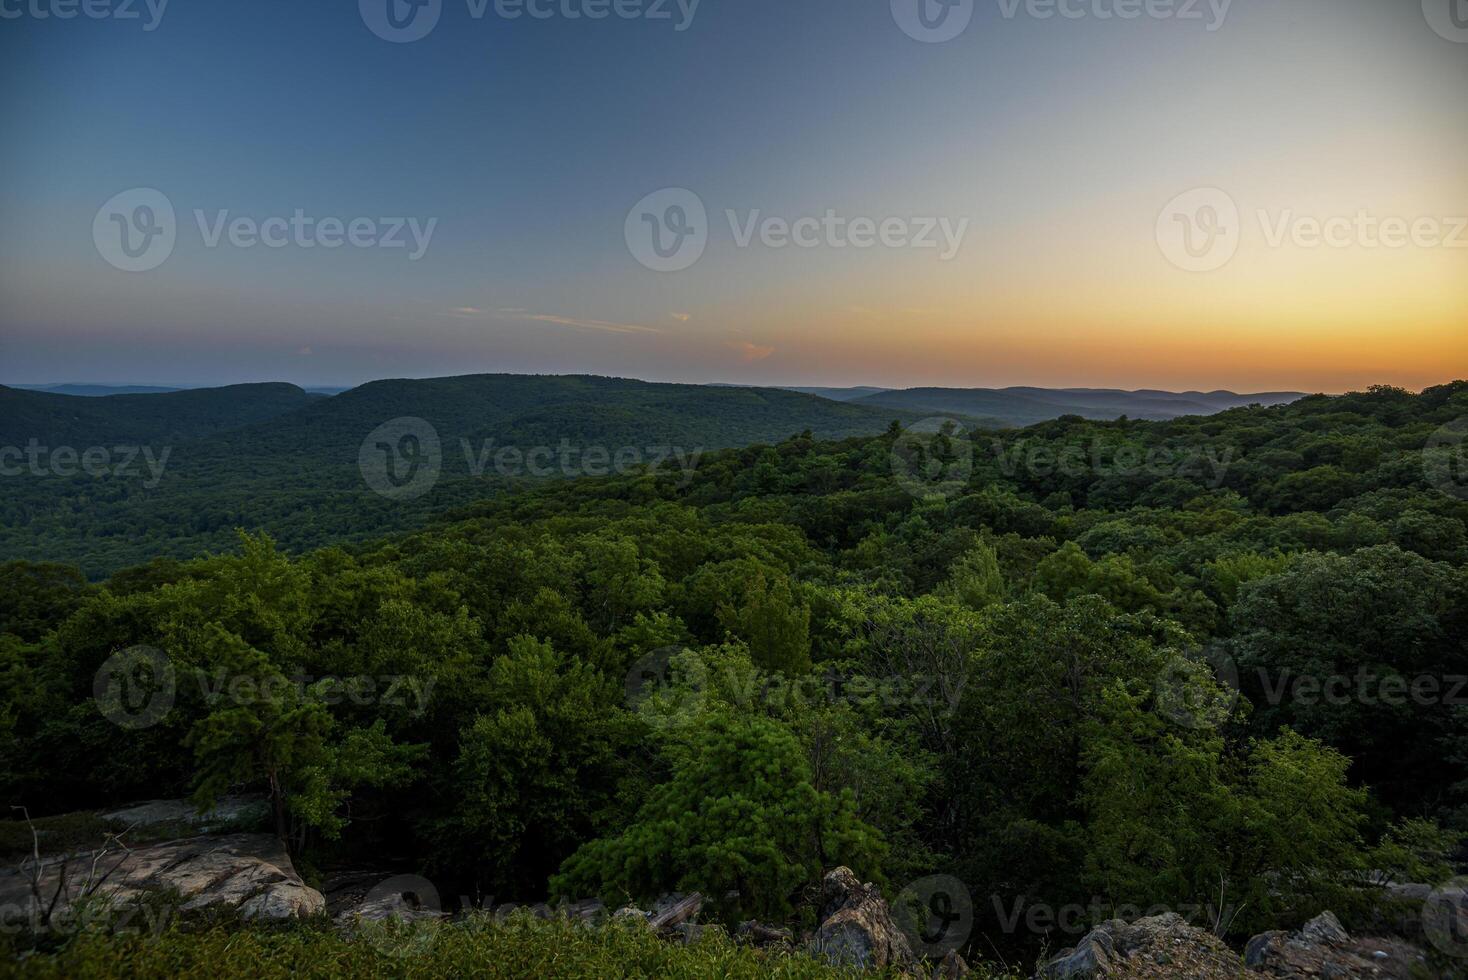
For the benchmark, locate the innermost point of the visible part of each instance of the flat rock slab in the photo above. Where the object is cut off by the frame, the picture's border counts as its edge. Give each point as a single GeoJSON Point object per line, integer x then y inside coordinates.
{"type": "Point", "coordinates": [230, 813]}
{"type": "Point", "coordinates": [249, 872]}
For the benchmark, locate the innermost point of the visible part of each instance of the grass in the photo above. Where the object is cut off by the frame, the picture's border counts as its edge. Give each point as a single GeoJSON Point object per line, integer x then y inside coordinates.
{"type": "Point", "coordinates": [477, 946]}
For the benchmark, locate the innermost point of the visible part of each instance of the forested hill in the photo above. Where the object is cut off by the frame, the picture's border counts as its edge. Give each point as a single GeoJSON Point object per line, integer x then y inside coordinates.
{"type": "Point", "coordinates": [156, 418]}
{"type": "Point", "coordinates": [174, 474]}
{"type": "Point", "coordinates": [1074, 666]}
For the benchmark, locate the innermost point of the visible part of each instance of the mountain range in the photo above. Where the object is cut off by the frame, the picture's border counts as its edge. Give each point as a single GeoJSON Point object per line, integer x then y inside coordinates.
{"type": "Point", "coordinates": [207, 461]}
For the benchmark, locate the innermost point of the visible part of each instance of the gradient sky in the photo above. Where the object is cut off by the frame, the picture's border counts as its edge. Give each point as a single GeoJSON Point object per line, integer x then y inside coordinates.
{"type": "Point", "coordinates": [529, 141]}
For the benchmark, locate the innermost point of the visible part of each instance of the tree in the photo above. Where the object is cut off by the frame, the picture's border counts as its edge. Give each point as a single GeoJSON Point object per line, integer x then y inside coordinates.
{"type": "Point", "coordinates": [537, 771]}
{"type": "Point", "coordinates": [975, 579]}
{"type": "Point", "coordinates": [739, 817]}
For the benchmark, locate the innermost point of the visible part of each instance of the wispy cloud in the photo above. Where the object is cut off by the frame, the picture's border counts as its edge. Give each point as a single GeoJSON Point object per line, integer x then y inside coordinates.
{"type": "Point", "coordinates": [523, 315]}
{"type": "Point", "coordinates": [681, 317]}
{"type": "Point", "coordinates": [569, 321]}
{"type": "Point", "coordinates": [749, 353]}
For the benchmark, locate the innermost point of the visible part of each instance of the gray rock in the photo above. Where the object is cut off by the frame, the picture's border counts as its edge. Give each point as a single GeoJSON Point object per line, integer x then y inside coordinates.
{"type": "Point", "coordinates": [1325, 928]}
{"type": "Point", "coordinates": [230, 813]}
{"type": "Point", "coordinates": [857, 927]}
{"type": "Point", "coordinates": [249, 872]}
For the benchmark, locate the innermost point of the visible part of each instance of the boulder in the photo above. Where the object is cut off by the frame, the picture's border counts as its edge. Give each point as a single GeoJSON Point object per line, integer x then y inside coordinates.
{"type": "Point", "coordinates": [249, 872]}
{"type": "Point", "coordinates": [1155, 946]}
{"type": "Point", "coordinates": [951, 967]}
{"type": "Point", "coordinates": [1322, 948]}
{"type": "Point", "coordinates": [672, 911]}
{"type": "Point", "coordinates": [857, 927]}
{"type": "Point", "coordinates": [229, 814]}
{"type": "Point", "coordinates": [758, 934]}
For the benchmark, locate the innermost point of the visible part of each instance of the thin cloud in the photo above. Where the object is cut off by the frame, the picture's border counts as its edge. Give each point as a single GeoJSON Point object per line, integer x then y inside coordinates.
{"type": "Point", "coordinates": [681, 317]}
{"type": "Point", "coordinates": [519, 314]}
{"type": "Point", "coordinates": [749, 353]}
{"type": "Point", "coordinates": [568, 321]}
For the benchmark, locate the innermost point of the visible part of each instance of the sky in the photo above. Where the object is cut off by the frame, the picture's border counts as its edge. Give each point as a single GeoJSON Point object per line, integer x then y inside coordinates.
{"type": "Point", "coordinates": [1254, 195]}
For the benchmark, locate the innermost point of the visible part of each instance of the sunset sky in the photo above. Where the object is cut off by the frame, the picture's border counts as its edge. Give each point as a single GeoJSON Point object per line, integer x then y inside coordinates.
{"type": "Point", "coordinates": [1060, 140]}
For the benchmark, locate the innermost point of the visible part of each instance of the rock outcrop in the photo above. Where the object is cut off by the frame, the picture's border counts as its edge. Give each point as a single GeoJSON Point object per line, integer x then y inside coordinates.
{"type": "Point", "coordinates": [856, 926]}
{"type": "Point", "coordinates": [248, 872]}
{"type": "Point", "coordinates": [1322, 948]}
{"type": "Point", "coordinates": [230, 814]}
{"type": "Point", "coordinates": [1161, 946]}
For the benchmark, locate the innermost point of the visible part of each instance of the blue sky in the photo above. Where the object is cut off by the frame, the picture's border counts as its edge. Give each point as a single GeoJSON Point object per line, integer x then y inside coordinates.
{"type": "Point", "coordinates": [526, 142]}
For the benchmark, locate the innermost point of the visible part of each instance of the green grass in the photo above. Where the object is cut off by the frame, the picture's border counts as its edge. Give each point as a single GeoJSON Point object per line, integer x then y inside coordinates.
{"type": "Point", "coordinates": [476, 946]}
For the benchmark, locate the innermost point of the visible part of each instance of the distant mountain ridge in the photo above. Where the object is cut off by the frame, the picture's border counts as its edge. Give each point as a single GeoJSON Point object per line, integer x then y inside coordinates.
{"type": "Point", "coordinates": [1022, 406]}
{"type": "Point", "coordinates": [278, 458]}
{"type": "Point", "coordinates": [81, 420]}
